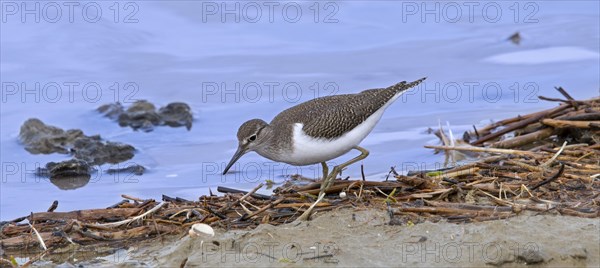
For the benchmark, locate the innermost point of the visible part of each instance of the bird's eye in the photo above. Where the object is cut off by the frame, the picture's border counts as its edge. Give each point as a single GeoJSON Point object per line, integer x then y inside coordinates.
{"type": "Point", "coordinates": [252, 138]}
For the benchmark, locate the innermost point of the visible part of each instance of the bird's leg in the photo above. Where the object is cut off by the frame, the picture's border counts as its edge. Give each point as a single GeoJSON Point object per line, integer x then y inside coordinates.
{"type": "Point", "coordinates": [325, 170]}
{"type": "Point", "coordinates": [337, 169]}
{"type": "Point", "coordinates": [328, 180]}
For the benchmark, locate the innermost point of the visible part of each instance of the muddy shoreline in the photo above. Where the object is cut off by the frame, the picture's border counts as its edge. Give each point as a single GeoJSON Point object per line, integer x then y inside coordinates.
{"type": "Point", "coordinates": [353, 237]}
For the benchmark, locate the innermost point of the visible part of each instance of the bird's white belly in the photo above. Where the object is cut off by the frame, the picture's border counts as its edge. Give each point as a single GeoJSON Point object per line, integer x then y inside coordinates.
{"type": "Point", "coordinates": [308, 150]}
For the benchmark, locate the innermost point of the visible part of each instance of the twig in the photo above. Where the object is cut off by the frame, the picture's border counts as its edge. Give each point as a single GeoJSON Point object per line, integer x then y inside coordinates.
{"type": "Point", "coordinates": [222, 189]}
{"type": "Point", "coordinates": [547, 163]}
{"type": "Point", "coordinates": [476, 133]}
{"type": "Point", "coordinates": [554, 177]}
{"type": "Point", "coordinates": [65, 236]}
{"type": "Point", "coordinates": [360, 191]}
{"type": "Point", "coordinates": [388, 197]}
{"type": "Point", "coordinates": [521, 124]}
{"type": "Point", "coordinates": [157, 231]}
{"type": "Point", "coordinates": [318, 257]}
{"type": "Point", "coordinates": [251, 192]}
{"type": "Point", "coordinates": [248, 203]}
{"type": "Point", "coordinates": [119, 204]}
{"type": "Point", "coordinates": [524, 139]}
{"type": "Point", "coordinates": [245, 209]}
{"type": "Point", "coordinates": [263, 209]}
{"type": "Point", "coordinates": [525, 166]}
{"type": "Point", "coordinates": [132, 198]}
{"type": "Point", "coordinates": [392, 171]}
{"type": "Point", "coordinates": [38, 236]}
{"type": "Point", "coordinates": [362, 171]}
{"type": "Point", "coordinates": [299, 205]}
{"type": "Point", "coordinates": [219, 215]}
{"type": "Point", "coordinates": [552, 99]}
{"type": "Point", "coordinates": [566, 123]}
{"type": "Point", "coordinates": [458, 173]}
{"type": "Point", "coordinates": [179, 212]}
{"type": "Point", "coordinates": [53, 206]}
{"type": "Point", "coordinates": [119, 223]}
{"type": "Point", "coordinates": [481, 149]}
{"type": "Point", "coordinates": [571, 100]}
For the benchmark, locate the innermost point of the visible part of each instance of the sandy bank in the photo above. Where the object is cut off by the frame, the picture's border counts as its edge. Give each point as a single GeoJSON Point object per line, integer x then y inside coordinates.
{"type": "Point", "coordinates": [351, 237]}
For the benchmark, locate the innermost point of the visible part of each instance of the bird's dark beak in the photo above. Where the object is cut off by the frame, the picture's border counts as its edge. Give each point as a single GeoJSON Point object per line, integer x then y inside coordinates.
{"type": "Point", "coordinates": [240, 151]}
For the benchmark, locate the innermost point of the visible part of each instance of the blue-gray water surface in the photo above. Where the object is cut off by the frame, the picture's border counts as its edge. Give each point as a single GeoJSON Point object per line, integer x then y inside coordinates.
{"type": "Point", "coordinates": [233, 61]}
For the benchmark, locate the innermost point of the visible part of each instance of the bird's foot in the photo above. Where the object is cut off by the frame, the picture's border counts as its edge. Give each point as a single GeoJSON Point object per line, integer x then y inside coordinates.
{"type": "Point", "coordinates": [325, 184]}
{"type": "Point", "coordinates": [306, 215]}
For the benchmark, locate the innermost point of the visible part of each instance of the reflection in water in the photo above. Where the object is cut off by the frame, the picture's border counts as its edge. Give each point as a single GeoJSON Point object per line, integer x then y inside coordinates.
{"type": "Point", "coordinates": [70, 182]}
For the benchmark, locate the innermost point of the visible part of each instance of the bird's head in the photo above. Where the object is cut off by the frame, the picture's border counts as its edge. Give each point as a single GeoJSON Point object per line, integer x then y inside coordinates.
{"type": "Point", "coordinates": [250, 137]}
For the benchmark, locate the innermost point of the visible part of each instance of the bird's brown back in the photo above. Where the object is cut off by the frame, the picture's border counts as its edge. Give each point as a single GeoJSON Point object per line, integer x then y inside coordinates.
{"type": "Point", "coordinates": [332, 116]}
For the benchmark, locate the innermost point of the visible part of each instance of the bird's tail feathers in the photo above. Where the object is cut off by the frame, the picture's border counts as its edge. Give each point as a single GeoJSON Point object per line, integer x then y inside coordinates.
{"type": "Point", "coordinates": [402, 86]}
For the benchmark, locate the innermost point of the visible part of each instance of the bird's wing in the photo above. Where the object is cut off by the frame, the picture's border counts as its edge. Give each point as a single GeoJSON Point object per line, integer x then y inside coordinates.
{"type": "Point", "coordinates": [332, 116]}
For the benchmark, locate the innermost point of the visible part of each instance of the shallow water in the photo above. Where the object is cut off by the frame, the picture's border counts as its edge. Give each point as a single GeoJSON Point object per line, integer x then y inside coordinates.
{"type": "Point", "coordinates": [230, 72]}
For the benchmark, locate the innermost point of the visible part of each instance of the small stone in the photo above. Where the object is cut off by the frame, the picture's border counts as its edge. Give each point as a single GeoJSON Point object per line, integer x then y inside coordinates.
{"type": "Point", "coordinates": [531, 256]}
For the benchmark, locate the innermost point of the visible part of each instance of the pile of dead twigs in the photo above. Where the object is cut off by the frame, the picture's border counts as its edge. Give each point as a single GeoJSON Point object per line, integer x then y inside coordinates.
{"type": "Point", "coordinates": [549, 164]}
{"type": "Point", "coordinates": [547, 161]}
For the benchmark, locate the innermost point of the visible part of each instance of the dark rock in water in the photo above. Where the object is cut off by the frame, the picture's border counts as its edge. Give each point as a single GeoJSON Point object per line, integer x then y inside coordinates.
{"type": "Point", "coordinates": [71, 167]}
{"type": "Point", "coordinates": [133, 169]}
{"type": "Point", "coordinates": [515, 38]}
{"type": "Point", "coordinates": [111, 111]}
{"type": "Point", "coordinates": [67, 175]}
{"type": "Point", "coordinates": [143, 115]}
{"type": "Point", "coordinates": [40, 138]}
{"type": "Point", "coordinates": [140, 115]}
{"type": "Point", "coordinates": [86, 150]}
{"type": "Point", "coordinates": [176, 114]}
{"type": "Point", "coordinates": [97, 152]}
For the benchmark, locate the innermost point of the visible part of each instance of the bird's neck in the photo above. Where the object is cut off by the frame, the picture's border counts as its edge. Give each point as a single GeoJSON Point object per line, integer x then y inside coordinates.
{"type": "Point", "coordinates": [270, 144]}
{"type": "Point", "coordinates": [267, 137]}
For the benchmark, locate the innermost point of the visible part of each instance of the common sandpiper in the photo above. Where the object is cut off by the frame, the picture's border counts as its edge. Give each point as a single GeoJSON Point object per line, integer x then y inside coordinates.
{"type": "Point", "coordinates": [319, 130]}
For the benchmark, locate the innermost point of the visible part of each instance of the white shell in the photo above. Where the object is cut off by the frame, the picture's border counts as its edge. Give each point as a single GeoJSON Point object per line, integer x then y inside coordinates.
{"type": "Point", "coordinates": [201, 229]}
{"type": "Point", "coordinates": [342, 194]}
